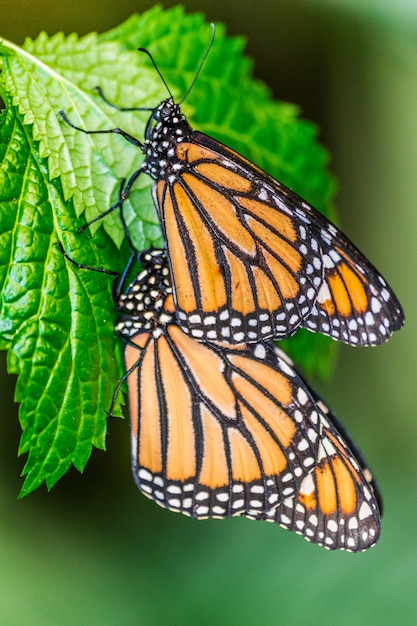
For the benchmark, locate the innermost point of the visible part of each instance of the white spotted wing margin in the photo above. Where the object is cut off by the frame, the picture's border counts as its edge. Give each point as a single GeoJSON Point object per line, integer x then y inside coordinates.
{"type": "Point", "coordinates": [338, 505]}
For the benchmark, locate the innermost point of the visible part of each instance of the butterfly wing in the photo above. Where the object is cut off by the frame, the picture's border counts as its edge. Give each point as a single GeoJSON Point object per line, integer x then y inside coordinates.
{"type": "Point", "coordinates": [338, 505]}
{"type": "Point", "coordinates": [250, 259]}
{"type": "Point", "coordinates": [244, 262]}
{"type": "Point", "coordinates": [216, 432]}
{"type": "Point", "coordinates": [221, 433]}
{"type": "Point", "coordinates": [354, 304]}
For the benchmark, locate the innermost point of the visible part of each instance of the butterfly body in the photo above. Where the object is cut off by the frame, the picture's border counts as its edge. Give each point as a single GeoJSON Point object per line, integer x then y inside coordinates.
{"type": "Point", "coordinates": [166, 128]}
{"type": "Point", "coordinates": [249, 258]}
{"type": "Point", "coordinates": [261, 276]}
{"type": "Point", "coordinates": [220, 431]}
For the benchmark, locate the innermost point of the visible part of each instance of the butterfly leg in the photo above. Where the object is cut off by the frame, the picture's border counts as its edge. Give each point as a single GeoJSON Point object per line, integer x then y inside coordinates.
{"type": "Point", "coordinates": [120, 278]}
{"type": "Point", "coordinates": [125, 376]}
{"type": "Point", "coordinates": [116, 106]}
{"type": "Point", "coordinates": [116, 131]}
{"type": "Point", "coordinates": [123, 194]}
{"type": "Point", "coordinates": [124, 189]}
{"type": "Point", "coordinates": [81, 266]}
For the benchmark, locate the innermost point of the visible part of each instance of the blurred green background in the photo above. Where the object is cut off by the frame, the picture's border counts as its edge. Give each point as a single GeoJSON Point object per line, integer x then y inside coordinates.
{"type": "Point", "coordinates": [94, 551]}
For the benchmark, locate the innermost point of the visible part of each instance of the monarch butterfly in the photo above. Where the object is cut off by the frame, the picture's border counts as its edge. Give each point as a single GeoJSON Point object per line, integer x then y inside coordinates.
{"type": "Point", "coordinates": [219, 431]}
{"type": "Point", "coordinates": [249, 258]}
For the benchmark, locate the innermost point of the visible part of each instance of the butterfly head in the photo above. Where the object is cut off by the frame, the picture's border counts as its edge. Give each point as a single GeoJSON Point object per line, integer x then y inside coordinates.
{"type": "Point", "coordinates": [166, 128]}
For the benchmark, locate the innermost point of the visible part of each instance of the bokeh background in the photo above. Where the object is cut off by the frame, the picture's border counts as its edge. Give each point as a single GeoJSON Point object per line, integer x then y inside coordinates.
{"type": "Point", "coordinates": [94, 551]}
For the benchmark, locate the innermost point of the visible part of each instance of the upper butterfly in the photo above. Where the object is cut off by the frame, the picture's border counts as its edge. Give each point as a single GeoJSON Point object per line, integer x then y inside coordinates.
{"type": "Point", "coordinates": [249, 258]}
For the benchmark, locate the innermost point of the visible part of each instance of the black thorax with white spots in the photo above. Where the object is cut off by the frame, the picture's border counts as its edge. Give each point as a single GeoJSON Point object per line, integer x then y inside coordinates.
{"type": "Point", "coordinates": [143, 303]}
{"type": "Point", "coordinates": [167, 127]}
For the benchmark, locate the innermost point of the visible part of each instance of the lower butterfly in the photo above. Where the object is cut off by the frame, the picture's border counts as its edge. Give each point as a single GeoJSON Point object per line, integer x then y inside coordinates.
{"type": "Point", "coordinates": [220, 431]}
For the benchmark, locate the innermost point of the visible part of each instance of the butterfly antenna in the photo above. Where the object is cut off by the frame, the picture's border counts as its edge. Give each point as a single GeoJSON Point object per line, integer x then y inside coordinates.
{"type": "Point", "coordinates": [203, 60]}
{"type": "Point", "coordinates": [156, 68]}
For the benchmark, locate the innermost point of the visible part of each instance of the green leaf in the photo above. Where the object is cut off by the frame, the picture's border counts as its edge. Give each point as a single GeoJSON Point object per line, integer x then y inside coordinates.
{"type": "Point", "coordinates": [57, 321]}
{"type": "Point", "coordinates": [53, 317]}
{"type": "Point", "coordinates": [56, 74]}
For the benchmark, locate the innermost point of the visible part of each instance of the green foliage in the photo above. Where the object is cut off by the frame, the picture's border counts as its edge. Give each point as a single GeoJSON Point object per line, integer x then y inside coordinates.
{"type": "Point", "coordinates": [57, 321]}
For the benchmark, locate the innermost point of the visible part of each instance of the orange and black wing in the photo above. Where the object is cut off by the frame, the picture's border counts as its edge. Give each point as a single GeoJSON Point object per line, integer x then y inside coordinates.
{"type": "Point", "coordinates": [338, 505]}
{"type": "Point", "coordinates": [216, 432]}
{"type": "Point", "coordinates": [245, 262]}
{"type": "Point", "coordinates": [250, 259]}
{"type": "Point", "coordinates": [335, 506]}
{"type": "Point", "coordinates": [354, 304]}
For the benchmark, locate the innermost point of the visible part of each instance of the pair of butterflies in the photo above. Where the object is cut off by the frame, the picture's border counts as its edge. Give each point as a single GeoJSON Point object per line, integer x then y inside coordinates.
{"type": "Point", "coordinates": [222, 423]}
